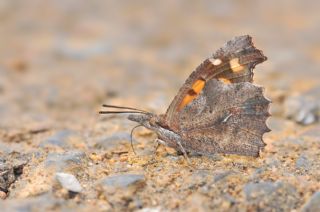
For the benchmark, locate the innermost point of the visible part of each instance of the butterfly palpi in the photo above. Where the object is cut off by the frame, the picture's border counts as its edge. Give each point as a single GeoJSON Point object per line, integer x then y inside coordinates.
{"type": "Point", "coordinates": [218, 109]}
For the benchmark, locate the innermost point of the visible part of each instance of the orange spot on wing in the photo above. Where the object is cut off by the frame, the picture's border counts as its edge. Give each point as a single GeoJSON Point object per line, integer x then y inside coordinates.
{"type": "Point", "coordinates": [192, 93]}
{"type": "Point", "coordinates": [186, 100]}
{"type": "Point", "coordinates": [198, 86]}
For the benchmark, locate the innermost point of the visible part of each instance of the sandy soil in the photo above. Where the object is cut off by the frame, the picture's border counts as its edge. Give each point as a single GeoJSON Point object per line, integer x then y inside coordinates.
{"type": "Point", "coordinates": [60, 60]}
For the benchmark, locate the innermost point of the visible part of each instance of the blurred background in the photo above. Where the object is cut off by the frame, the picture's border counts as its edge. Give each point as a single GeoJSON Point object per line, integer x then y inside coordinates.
{"type": "Point", "coordinates": [61, 59]}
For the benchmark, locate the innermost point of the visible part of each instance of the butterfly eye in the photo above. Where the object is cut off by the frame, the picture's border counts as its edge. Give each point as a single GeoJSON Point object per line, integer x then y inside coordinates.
{"type": "Point", "coordinates": [154, 121]}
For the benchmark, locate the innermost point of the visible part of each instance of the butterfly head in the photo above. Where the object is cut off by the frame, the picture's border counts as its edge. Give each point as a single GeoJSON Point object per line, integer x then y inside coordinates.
{"type": "Point", "coordinates": [144, 118]}
{"type": "Point", "coordinates": [148, 120]}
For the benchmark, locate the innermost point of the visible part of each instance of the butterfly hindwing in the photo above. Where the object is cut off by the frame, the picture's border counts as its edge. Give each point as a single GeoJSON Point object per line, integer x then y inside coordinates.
{"type": "Point", "coordinates": [232, 120]}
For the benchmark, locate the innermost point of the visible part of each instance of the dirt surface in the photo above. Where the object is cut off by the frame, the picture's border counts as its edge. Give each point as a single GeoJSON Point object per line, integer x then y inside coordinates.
{"type": "Point", "coordinates": [60, 60]}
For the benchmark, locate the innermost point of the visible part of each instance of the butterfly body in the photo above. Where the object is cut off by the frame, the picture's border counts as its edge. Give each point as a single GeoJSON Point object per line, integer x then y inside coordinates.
{"type": "Point", "coordinates": [217, 129]}
{"type": "Point", "coordinates": [218, 109]}
{"type": "Point", "coordinates": [153, 122]}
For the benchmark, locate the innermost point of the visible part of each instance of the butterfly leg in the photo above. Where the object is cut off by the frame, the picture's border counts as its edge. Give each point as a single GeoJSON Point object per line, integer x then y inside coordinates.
{"type": "Point", "coordinates": [157, 144]}
{"type": "Point", "coordinates": [159, 141]}
{"type": "Point", "coordinates": [184, 152]}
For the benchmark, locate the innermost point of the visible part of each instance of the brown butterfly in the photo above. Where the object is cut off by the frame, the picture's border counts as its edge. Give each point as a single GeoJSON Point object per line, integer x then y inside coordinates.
{"type": "Point", "coordinates": [218, 109]}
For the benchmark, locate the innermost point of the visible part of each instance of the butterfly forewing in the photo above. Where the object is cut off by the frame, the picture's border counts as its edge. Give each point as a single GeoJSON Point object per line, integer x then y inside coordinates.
{"type": "Point", "coordinates": [232, 63]}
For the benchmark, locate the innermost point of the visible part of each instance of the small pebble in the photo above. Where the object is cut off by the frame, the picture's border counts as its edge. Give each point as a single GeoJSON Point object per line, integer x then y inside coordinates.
{"type": "Point", "coordinates": [123, 180]}
{"type": "Point", "coordinates": [69, 182]}
{"type": "Point", "coordinates": [62, 161]}
{"type": "Point", "coordinates": [303, 163]}
{"type": "Point", "coordinates": [304, 108]}
{"type": "Point", "coordinates": [112, 141]}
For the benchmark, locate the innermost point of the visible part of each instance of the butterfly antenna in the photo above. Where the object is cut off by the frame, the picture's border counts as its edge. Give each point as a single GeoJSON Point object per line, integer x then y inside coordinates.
{"type": "Point", "coordinates": [131, 136]}
{"type": "Point", "coordinates": [125, 108]}
{"type": "Point", "coordinates": [114, 112]}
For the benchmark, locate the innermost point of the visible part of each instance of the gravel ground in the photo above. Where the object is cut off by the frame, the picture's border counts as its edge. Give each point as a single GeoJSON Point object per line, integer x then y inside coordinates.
{"type": "Point", "coordinates": [60, 60]}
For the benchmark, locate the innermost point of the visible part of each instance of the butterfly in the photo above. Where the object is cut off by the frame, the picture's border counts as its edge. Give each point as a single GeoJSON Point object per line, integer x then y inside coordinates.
{"type": "Point", "coordinates": [218, 109]}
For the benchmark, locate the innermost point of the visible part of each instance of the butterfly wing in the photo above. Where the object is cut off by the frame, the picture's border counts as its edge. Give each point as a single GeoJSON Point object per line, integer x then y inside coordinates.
{"type": "Point", "coordinates": [225, 118]}
{"type": "Point", "coordinates": [233, 63]}
{"type": "Point", "coordinates": [218, 109]}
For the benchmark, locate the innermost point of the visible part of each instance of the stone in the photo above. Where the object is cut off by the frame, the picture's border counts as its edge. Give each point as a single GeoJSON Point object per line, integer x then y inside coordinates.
{"type": "Point", "coordinates": [313, 204]}
{"type": "Point", "coordinates": [7, 177]}
{"type": "Point", "coordinates": [69, 182]}
{"type": "Point", "coordinates": [70, 160]}
{"type": "Point", "coordinates": [122, 180]}
{"type": "Point", "coordinates": [277, 196]}
{"type": "Point", "coordinates": [314, 132]}
{"type": "Point", "coordinates": [155, 209]}
{"type": "Point", "coordinates": [196, 202]}
{"type": "Point", "coordinates": [58, 139]}
{"type": "Point", "coordinates": [64, 139]}
{"type": "Point", "coordinates": [222, 175]}
{"type": "Point", "coordinates": [304, 108]}
{"type": "Point", "coordinates": [256, 190]}
{"type": "Point", "coordinates": [303, 162]}
{"type": "Point", "coordinates": [121, 189]}
{"type": "Point", "coordinates": [64, 49]}
{"type": "Point", "coordinates": [11, 167]}
{"type": "Point", "coordinates": [113, 140]}
{"type": "Point", "coordinates": [290, 141]}
{"type": "Point", "coordinates": [278, 125]}
{"type": "Point", "coordinates": [5, 148]}
{"type": "Point", "coordinates": [44, 202]}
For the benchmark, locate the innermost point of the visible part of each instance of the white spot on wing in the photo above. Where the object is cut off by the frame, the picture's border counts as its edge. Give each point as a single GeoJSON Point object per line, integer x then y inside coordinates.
{"type": "Point", "coordinates": [235, 65]}
{"type": "Point", "coordinates": [226, 118]}
{"type": "Point", "coordinates": [216, 62]}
